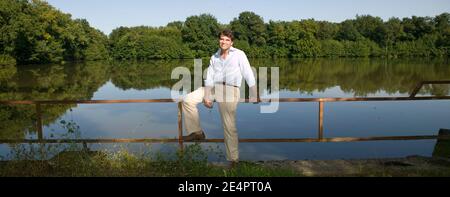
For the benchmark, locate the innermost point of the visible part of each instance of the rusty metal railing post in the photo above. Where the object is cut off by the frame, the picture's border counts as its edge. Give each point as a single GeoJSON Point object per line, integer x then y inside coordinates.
{"type": "Point", "coordinates": [39, 121]}
{"type": "Point", "coordinates": [180, 125]}
{"type": "Point", "coordinates": [39, 130]}
{"type": "Point", "coordinates": [320, 136]}
{"type": "Point", "coordinates": [416, 89]}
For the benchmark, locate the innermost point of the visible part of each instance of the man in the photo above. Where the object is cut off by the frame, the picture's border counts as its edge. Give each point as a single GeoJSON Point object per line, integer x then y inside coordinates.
{"type": "Point", "coordinates": [224, 76]}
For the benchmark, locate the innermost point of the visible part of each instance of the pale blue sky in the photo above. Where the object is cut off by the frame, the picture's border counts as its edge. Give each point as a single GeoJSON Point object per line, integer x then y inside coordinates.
{"type": "Point", "coordinates": [109, 14]}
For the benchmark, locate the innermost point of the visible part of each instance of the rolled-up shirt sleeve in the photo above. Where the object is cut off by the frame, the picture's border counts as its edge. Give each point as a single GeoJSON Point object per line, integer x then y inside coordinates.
{"type": "Point", "coordinates": [209, 81]}
{"type": "Point", "coordinates": [246, 70]}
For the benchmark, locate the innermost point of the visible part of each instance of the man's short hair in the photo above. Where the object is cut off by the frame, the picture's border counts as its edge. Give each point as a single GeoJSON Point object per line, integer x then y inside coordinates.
{"type": "Point", "coordinates": [227, 33]}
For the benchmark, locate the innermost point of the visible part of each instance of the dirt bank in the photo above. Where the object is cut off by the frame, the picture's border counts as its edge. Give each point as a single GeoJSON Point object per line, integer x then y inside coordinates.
{"type": "Point", "coordinates": [408, 166]}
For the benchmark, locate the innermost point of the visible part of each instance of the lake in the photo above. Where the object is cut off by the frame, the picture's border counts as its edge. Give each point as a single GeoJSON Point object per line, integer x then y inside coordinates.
{"type": "Point", "coordinates": [298, 78]}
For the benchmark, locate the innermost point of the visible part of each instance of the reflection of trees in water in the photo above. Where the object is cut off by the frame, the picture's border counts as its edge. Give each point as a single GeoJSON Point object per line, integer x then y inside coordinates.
{"type": "Point", "coordinates": [7, 72]}
{"type": "Point", "coordinates": [46, 82]}
{"type": "Point", "coordinates": [56, 82]}
{"type": "Point", "coordinates": [16, 120]}
{"type": "Point", "coordinates": [435, 89]}
{"type": "Point", "coordinates": [358, 76]}
{"type": "Point", "coordinates": [80, 81]}
{"type": "Point", "coordinates": [143, 75]}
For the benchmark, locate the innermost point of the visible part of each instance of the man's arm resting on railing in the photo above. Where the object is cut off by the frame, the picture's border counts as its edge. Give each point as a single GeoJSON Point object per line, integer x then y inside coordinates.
{"type": "Point", "coordinates": [207, 100]}
{"type": "Point", "coordinates": [253, 97]}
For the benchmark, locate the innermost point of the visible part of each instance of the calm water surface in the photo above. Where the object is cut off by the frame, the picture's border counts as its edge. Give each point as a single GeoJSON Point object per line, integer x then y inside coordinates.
{"type": "Point", "coordinates": [298, 78]}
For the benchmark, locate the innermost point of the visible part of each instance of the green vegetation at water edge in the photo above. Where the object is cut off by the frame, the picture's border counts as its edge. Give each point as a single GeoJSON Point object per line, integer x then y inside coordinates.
{"type": "Point", "coordinates": [192, 161]}
{"type": "Point", "coordinates": [35, 32]}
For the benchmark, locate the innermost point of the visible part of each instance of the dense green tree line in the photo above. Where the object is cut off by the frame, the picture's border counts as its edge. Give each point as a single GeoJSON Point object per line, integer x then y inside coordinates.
{"type": "Point", "coordinates": [148, 43]}
{"type": "Point", "coordinates": [32, 31]}
{"type": "Point", "coordinates": [364, 36]}
{"type": "Point", "coordinates": [35, 32]}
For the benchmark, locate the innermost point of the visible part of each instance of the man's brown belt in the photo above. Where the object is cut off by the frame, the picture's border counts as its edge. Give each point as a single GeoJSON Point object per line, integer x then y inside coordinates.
{"type": "Point", "coordinates": [223, 83]}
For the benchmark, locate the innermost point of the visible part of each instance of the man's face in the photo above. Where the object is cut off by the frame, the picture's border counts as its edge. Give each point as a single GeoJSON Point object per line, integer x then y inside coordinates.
{"type": "Point", "coordinates": [225, 42]}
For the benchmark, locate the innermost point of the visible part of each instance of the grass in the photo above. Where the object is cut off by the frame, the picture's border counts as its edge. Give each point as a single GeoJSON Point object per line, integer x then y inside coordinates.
{"type": "Point", "coordinates": [74, 161]}
{"type": "Point", "coordinates": [191, 162]}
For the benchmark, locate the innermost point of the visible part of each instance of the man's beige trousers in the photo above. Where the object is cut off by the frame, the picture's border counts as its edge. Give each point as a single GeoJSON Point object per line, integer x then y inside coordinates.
{"type": "Point", "coordinates": [228, 98]}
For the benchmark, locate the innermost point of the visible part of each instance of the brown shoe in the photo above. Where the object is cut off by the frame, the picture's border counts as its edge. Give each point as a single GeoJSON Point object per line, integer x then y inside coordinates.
{"type": "Point", "coordinates": [195, 136]}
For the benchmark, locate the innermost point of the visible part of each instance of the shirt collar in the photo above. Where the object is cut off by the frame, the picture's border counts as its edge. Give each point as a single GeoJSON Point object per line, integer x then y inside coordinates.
{"type": "Point", "coordinates": [231, 50]}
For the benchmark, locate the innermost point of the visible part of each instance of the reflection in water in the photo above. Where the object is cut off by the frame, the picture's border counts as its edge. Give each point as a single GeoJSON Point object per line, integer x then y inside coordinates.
{"type": "Point", "coordinates": [298, 78]}
{"type": "Point", "coordinates": [46, 82]}
{"type": "Point", "coordinates": [358, 77]}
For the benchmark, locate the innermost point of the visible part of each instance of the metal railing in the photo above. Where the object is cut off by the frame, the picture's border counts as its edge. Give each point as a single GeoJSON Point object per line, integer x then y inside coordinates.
{"type": "Point", "coordinates": [419, 85]}
{"type": "Point", "coordinates": [320, 135]}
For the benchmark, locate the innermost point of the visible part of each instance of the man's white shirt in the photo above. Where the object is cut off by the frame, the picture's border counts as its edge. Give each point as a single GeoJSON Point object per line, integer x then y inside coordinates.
{"type": "Point", "coordinates": [231, 70]}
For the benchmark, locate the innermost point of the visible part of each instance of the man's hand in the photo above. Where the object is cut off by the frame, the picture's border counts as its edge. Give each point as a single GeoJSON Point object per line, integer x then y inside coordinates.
{"type": "Point", "coordinates": [208, 103]}
{"type": "Point", "coordinates": [253, 98]}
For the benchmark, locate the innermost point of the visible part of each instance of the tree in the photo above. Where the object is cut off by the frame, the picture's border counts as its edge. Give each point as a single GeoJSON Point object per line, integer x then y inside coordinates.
{"type": "Point", "coordinates": [250, 27]}
{"type": "Point", "coordinates": [416, 27]}
{"type": "Point", "coordinates": [326, 30]}
{"type": "Point", "coordinates": [443, 29]}
{"type": "Point", "coordinates": [149, 43]}
{"type": "Point", "coordinates": [35, 32]}
{"type": "Point", "coordinates": [348, 31]}
{"type": "Point", "coordinates": [306, 47]}
{"type": "Point", "coordinates": [367, 26]}
{"type": "Point", "coordinates": [277, 36]}
{"type": "Point", "coordinates": [200, 34]}
{"type": "Point", "coordinates": [390, 33]}
{"type": "Point", "coordinates": [176, 24]}
{"type": "Point", "coordinates": [331, 48]}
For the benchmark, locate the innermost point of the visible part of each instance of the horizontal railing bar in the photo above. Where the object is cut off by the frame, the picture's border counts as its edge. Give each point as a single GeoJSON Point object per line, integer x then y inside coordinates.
{"type": "Point", "coordinates": [149, 140]}
{"type": "Point", "coordinates": [435, 82]}
{"type": "Point", "coordinates": [118, 140]}
{"type": "Point", "coordinates": [242, 100]}
{"type": "Point", "coordinates": [89, 101]}
{"type": "Point", "coordinates": [359, 99]}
